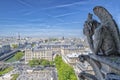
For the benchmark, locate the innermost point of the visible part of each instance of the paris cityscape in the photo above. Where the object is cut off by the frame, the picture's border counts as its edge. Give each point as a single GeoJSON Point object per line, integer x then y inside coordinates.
{"type": "Point", "coordinates": [59, 40]}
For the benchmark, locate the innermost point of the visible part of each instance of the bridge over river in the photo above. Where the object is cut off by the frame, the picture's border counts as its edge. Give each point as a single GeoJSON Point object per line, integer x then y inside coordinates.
{"type": "Point", "coordinates": [10, 54]}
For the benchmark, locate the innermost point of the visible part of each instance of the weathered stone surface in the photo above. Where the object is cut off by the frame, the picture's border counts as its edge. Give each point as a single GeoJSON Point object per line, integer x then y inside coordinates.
{"type": "Point", "coordinates": [112, 61]}
{"type": "Point", "coordinates": [104, 37]}
{"type": "Point", "coordinates": [95, 65]}
{"type": "Point", "coordinates": [102, 65]}
{"type": "Point", "coordinates": [87, 76]}
{"type": "Point", "coordinates": [104, 42]}
{"type": "Point", "coordinates": [107, 20]}
{"type": "Point", "coordinates": [112, 76]}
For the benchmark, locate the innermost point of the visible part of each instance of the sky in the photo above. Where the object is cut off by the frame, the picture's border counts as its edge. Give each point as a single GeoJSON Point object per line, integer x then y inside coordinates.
{"type": "Point", "coordinates": [52, 18]}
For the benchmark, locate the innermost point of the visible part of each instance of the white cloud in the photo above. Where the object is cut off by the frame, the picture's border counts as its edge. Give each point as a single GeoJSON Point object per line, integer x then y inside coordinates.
{"type": "Point", "coordinates": [66, 14]}
{"type": "Point", "coordinates": [71, 4]}
{"type": "Point", "coordinates": [68, 23]}
{"type": "Point", "coordinates": [67, 5]}
{"type": "Point", "coordinates": [24, 3]}
{"type": "Point", "coordinates": [28, 13]}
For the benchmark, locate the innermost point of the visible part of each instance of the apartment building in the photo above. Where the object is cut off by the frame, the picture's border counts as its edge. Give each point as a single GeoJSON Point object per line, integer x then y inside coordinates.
{"type": "Point", "coordinates": [39, 53]}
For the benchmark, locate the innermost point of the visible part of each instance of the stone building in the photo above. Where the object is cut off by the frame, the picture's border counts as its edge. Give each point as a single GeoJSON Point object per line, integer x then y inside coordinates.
{"type": "Point", "coordinates": [70, 50]}
{"type": "Point", "coordinates": [39, 73]}
{"type": "Point", "coordinates": [70, 54]}
{"type": "Point", "coordinates": [42, 53]}
{"type": "Point", "coordinates": [5, 48]}
{"type": "Point", "coordinates": [56, 47]}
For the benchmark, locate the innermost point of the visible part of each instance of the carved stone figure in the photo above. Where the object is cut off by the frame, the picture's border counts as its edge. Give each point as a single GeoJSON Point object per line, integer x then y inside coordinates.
{"type": "Point", "coordinates": [103, 37]}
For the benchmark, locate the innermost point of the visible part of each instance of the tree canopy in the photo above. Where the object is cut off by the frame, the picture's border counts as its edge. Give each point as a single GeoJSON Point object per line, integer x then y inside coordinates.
{"type": "Point", "coordinates": [14, 46]}
{"type": "Point", "coordinates": [19, 55]}
{"type": "Point", "coordinates": [65, 72]}
{"type": "Point", "coordinates": [43, 62]}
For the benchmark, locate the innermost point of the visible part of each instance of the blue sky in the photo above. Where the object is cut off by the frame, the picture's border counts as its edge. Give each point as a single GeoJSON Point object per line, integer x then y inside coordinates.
{"type": "Point", "coordinates": [50, 17]}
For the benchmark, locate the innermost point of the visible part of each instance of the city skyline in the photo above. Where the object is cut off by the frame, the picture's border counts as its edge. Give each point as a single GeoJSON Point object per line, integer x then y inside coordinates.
{"type": "Point", "coordinates": [49, 18]}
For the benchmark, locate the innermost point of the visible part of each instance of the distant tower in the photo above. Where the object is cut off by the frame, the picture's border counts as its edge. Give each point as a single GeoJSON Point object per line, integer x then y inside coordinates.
{"type": "Point", "coordinates": [18, 36]}
{"type": "Point", "coordinates": [19, 40]}
{"type": "Point", "coordinates": [63, 38]}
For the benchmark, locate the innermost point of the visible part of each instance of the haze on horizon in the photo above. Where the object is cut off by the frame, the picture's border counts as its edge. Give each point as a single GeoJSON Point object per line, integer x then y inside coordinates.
{"type": "Point", "coordinates": [50, 17]}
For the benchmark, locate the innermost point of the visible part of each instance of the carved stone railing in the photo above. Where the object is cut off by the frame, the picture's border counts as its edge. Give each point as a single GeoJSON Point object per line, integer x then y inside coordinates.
{"type": "Point", "coordinates": [104, 67]}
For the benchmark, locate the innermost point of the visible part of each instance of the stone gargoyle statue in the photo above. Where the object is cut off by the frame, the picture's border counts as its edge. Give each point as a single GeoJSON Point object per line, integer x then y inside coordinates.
{"type": "Point", "coordinates": [103, 37]}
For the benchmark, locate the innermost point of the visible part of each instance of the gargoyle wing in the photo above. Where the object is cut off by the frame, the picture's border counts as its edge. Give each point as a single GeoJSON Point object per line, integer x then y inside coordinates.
{"type": "Point", "coordinates": [107, 20]}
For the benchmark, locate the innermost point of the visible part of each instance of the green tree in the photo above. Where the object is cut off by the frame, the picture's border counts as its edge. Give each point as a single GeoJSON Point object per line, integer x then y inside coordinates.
{"type": "Point", "coordinates": [65, 72]}
{"type": "Point", "coordinates": [51, 63]}
{"type": "Point", "coordinates": [33, 45]}
{"type": "Point", "coordinates": [33, 62]}
{"type": "Point", "coordinates": [6, 70]}
{"type": "Point", "coordinates": [14, 76]}
{"type": "Point", "coordinates": [45, 63]}
{"type": "Point", "coordinates": [14, 46]}
{"type": "Point", "coordinates": [19, 55]}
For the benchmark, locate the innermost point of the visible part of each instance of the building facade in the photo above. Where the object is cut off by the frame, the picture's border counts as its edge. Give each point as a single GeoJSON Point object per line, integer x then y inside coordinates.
{"type": "Point", "coordinates": [4, 49]}
{"type": "Point", "coordinates": [38, 54]}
